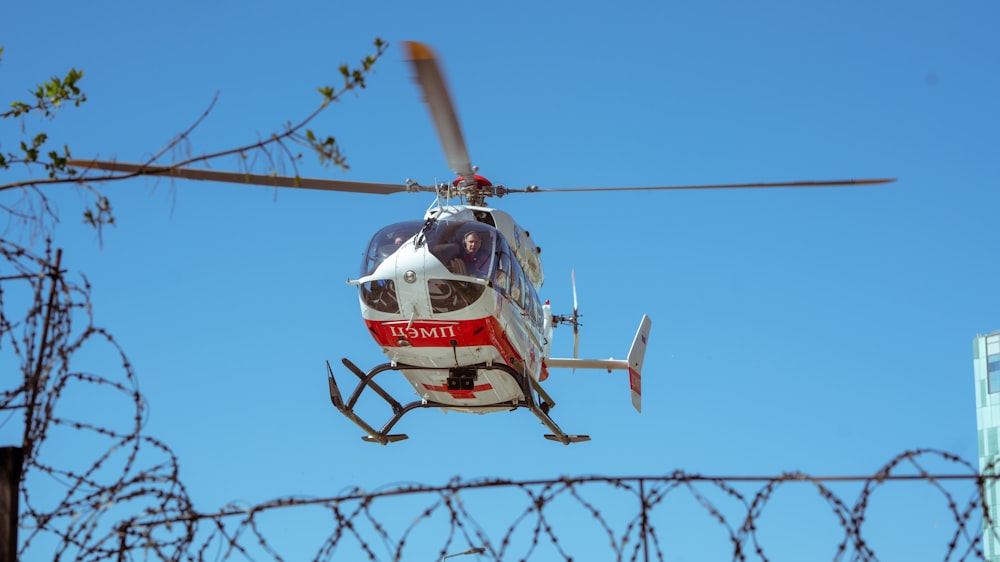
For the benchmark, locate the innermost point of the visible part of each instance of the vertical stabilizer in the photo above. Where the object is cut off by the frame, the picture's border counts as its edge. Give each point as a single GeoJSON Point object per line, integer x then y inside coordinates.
{"type": "Point", "coordinates": [635, 357]}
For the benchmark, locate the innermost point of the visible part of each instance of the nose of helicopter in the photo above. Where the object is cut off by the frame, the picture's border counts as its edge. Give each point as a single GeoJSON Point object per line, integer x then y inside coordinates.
{"type": "Point", "coordinates": [410, 271]}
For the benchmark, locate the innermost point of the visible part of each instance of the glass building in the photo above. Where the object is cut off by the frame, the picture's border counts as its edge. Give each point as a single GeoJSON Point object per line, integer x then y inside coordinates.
{"type": "Point", "coordinates": [986, 364]}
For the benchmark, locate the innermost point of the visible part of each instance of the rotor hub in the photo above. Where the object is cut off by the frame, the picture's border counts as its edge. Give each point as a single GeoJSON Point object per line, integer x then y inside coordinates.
{"type": "Point", "coordinates": [480, 181]}
{"type": "Point", "coordinates": [476, 190]}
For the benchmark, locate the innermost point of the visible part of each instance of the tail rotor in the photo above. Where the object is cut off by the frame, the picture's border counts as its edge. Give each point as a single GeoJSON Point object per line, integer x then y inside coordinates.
{"type": "Point", "coordinates": [575, 318]}
{"type": "Point", "coordinates": [572, 319]}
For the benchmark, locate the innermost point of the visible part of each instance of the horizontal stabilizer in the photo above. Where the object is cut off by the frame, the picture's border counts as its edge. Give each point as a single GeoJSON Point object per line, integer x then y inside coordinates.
{"type": "Point", "coordinates": [606, 364]}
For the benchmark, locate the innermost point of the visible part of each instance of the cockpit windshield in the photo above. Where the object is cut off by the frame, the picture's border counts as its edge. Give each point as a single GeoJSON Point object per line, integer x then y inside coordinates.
{"type": "Point", "coordinates": [464, 247]}
{"type": "Point", "coordinates": [386, 242]}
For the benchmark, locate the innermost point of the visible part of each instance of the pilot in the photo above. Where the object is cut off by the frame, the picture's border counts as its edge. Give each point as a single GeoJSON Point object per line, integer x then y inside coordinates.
{"type": "Point", "coordinates": [475, 257]}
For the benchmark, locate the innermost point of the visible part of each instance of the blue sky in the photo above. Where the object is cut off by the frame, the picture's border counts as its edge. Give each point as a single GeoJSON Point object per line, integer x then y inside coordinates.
{"type": "Point", "coordinates": [823, 331]}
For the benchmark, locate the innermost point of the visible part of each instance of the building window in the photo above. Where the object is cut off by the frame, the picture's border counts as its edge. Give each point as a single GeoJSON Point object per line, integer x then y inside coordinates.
{"type": "Point", "coordinates": [993, 372]}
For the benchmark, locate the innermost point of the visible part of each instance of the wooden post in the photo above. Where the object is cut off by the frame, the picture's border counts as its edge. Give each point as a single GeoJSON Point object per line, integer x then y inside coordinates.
{"type": "Point", "coordinates": [11, 459]}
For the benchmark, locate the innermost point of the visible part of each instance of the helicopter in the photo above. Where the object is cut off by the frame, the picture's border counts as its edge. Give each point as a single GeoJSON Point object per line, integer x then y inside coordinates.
{"type": "Point", "coordinates": [452, 299]}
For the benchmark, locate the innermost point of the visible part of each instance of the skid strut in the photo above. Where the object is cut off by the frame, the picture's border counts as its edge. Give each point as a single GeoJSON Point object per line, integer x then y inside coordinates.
{"type": "Point", "coordinates": [456, 376]}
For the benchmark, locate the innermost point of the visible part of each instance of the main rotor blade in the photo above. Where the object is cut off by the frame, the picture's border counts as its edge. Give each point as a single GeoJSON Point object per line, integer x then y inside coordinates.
{"type": "Point", "coordinates": [435, 90]}
{"type": "Point", "coordinates": [828, 183]}
{"type": "Point", "coordinates": [252, 179]}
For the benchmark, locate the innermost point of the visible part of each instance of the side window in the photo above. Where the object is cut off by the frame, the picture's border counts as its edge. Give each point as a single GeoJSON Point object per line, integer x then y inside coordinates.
{"type": "Point", "coordinates": [517, 286]}
{"type": "Point", "coordinates": [529, 302]}
{"type": "Point", "coordinates": [501, 278]}
{"type": "Point", "coordinates": [536, 311]}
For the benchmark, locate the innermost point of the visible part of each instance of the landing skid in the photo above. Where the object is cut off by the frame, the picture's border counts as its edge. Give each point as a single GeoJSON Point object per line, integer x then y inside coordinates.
{"type": "Point", "coordinates": [382, 436]}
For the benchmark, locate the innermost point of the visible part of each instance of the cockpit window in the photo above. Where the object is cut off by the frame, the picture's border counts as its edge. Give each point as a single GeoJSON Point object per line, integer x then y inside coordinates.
{"type": "Point", "coordinates": [386, 242]}
{"type": "Point", "coordinates": [380, 295]}
{"type": "Point", "coordinates": [448, 295]}
{"type": "Point", "coordinates": [465, 248]}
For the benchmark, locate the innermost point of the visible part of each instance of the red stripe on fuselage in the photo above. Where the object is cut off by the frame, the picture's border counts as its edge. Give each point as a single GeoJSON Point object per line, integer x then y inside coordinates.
{"type": "Point", "coordinates": [434, 333]}
{"type": "Point", "coordinates": [479, 332]}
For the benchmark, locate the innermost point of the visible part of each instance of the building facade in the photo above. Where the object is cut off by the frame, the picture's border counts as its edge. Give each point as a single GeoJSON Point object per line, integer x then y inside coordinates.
{"type": "Point", "coordinates": [986, 363]}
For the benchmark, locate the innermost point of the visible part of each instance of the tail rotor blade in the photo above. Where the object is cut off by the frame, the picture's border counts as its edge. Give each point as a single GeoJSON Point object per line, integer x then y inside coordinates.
{"type": "Point", "coordinates": [572, 277]}
{"type": "Point", "coordinates": [576, 316]}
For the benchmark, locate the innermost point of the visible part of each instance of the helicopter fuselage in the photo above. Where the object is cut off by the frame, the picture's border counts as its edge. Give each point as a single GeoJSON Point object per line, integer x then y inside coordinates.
{"type": "Point", "coordinates": [453, 295]}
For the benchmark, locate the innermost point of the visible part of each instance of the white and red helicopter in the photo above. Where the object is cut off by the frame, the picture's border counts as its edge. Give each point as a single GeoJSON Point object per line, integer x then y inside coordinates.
{"type": "Point", "coordinates": [452, 298]}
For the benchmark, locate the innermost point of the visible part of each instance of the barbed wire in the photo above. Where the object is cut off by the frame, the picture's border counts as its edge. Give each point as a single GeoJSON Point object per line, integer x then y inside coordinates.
{"type": "Point", "coordinates": [370, 525]}
{"type": "Point", "coordinates": [127, 500]}
{"type": "Point", "coordinates": [45, 324]}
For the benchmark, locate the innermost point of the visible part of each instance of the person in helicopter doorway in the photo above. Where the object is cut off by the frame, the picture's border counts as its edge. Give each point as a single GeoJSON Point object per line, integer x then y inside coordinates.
{"type": "Point", "coordinates": [474, 256]}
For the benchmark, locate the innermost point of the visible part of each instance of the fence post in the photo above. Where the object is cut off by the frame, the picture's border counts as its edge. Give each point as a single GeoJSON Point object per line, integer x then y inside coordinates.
{"type": "Point", "coordinates": [10, 479]}
{"type": "Point", "coordinates": [645, 520]}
